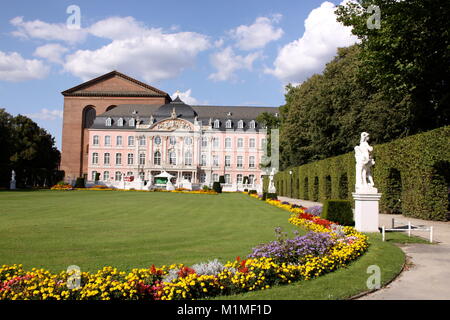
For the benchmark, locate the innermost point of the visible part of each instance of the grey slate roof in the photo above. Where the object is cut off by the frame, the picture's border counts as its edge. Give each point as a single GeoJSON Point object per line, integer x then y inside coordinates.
{"type": "Point", "coordinates": [184, 111]}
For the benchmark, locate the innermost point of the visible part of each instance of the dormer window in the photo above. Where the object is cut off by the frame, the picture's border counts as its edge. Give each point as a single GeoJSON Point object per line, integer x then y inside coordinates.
{"type": "Point", "coordinates": [132, 122]}
{"type": "Point", "coordinates": [240, 124]}
{"type": "Point", "coordinates": [120, 122]}
{"type": "Point", "coordinates": [228, 124]}
{"type": "Point", "coordinates": [108, 122]}
{"type": "Point", "coordinates": [252, 124]}
{"type": "Point", "coordinates": [216, 124]}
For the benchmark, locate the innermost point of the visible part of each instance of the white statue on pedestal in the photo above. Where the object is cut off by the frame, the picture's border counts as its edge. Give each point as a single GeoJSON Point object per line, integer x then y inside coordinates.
{"type": "Point", "coordinates": [364, 162]}
{"type": "Point", "coordinates": [271, 188]}
{"type": "Point", "coordinates": [12, 183]}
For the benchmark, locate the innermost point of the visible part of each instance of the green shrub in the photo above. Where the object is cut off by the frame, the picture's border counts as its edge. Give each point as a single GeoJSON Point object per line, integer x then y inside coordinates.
{"type": "Point", "coordinates": [217, 187]}
{"type": "Point", "coordinates": [80, 183]}
{"type": "Point", "coordinates": [339, 211]}
{"type": "Point", "coordinates": [267, 195]}
{"type": "Point", "coordinates": [206, 188]}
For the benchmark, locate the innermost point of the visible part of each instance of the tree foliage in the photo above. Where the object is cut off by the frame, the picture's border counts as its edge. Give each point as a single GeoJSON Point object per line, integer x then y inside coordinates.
{"type": "Point", "coordinates": [28, 150]}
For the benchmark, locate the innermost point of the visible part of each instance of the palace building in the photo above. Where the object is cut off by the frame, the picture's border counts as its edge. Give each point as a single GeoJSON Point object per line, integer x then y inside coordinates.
{"type": "Point", "coordinates": [118, 129]}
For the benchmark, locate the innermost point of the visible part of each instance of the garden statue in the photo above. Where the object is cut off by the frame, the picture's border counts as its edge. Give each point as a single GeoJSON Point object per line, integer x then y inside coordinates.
{"type": "Point", "coordinates": [364, 162]}
{"type": "Point", "coordinates": [271, 188]}
{"type": "Point", "coordinates": [12, 184]}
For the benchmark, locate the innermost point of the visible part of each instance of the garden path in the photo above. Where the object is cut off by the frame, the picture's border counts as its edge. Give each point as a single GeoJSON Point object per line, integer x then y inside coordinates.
{"type": "Point", "coordinates": [428, 275]}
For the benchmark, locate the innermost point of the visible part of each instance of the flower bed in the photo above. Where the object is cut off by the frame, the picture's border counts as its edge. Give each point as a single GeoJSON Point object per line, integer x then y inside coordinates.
{"type": "Point", "coordinates": [325, 248]}
{"type": "Point", "coordinates": [62, 187]}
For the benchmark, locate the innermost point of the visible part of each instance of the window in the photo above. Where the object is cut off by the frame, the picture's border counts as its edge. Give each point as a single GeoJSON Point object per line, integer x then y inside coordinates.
{"type": "Point", "coordinates": [142, 176]}
{"type": "Point", "coordinates": [118, 176]}
{"type": "Point", "coordinates": [132, 122]}
{"type": "Point", "coordinates": [203, 160]}
{"type": "Point", "coordinates": [202, 177]}
{"type": "Point", "coordinates": [240, 142]}
{"type": "Point", "coordinates": [215, 142]}
{"type": "Point", "coordinates": [106, 158]}
{"type": "Point", "coordinates": [215, 160]}
{"type": "Point", "coordinates": [251, 162]}
{"type": "Point", "coordinates": [227, 161]}
{"type": "Point", "coordinates": [227, 178]}
{"type": "Point", "coordinates": [95, 140]}
{"type": "Point", "coordinates": [118, 159]}
{"type": "Point", "coordinates": [172, 158]}
{"type": "Point", "coordinates": [105, 175]}
{"type": "Point", "coordinates": [129, 173]}
{"type": "Point", "coordinates": [95, 158]}
{"type": "Point", "coordinates": [188, 159]}
{"type": "Point", "coordinates": [120, 122]}
{"type": "Point", "coordinates": [142, 140]}
{"type": "Point", "coordinates": [239, 163]}
{"type": "Point", "coordinates": [263, 143]}
{"type": "Point", "coordinates": [142, 158]}
{"type": "Point", "coordinates": [131, 140]}
{"type": "Point", "coordinates": [228, 124]}
{"type": "Point", "coordinates": [108, 122]}
{"type": "Point", "coordinates": [216, 124]}
{"type": "Point", "coordinates": [227, 143]}
{"type": "Point", "coordinates": [157, 140]}
{"type": "Point", "coordinates": [94, 176]}
{"type": "Point", "coordinates": [251, 179]}
{"type": "Point", "coordinates": [252, 143]}
{"type": "Point", "coordinates": [119, 140]}
{"type": "Point", "coordinates": [107, 140]}
{"type": "Point", "coordinates": [252, 124]}
{"type": "Point", "coordinates": [215, 177]}
{"type": "Point", "coordinates": [204, 142]}
{"type": "Point", "coordinates": [157, 158]}
{"type": "Point", "coordinates": [240, 124]}
{"type": "Point", "coordinates": [239, 178]}
{"type": "Point", "coordinates": [172, 140]}
{"type": "Point", "coordinates": [188, 141]}
{"type": "Point", "coordinates": [130, 159]}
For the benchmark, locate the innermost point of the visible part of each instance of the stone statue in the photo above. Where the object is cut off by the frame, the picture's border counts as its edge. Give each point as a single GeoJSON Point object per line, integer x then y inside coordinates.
{"type": "Point", "coordinates": [271, 188]}
{"type": "Point", "coordinates": [364, 162]}
{"type": "Point", "coordinates": [12, 183]}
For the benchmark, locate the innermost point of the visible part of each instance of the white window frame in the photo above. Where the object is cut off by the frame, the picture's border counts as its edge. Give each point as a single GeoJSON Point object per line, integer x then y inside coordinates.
{"type": "Point", "coordinates": [95, 158]}
{"type": "Point", "coordinates": [251, 161]}
{"type": "Point", "coordinates": [130, 159]}
{"type": "Point", "coordinates": [228, 143]}
{"type": "Point", "coordinates": [95, 140]}
{"type": "Point", "coordinates": [119, 140]}
{"type": "Point", "coordinates": [118, 159]}
{"type": "Point", "coordinates": [228, 124]}
{"type": "Point", "coordinates": [131, 141]}
{"type": "Point", "coordinates": [106, 158]}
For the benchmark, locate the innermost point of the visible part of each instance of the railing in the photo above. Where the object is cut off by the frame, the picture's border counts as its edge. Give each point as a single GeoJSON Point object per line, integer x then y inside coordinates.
{"type": "Point", "coordinates": [409, 227]}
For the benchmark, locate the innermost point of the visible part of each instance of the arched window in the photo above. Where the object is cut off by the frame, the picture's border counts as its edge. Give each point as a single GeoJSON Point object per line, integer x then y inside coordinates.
{"type": "Point", "coordinates": [131, 140]}
{"type": "Point", "coordinates": [105, 175]}
{"type": "Point", "coordinates": [227, 143]}
{"type": "Point", "coordinates": [203, 160]}
{"type": "Point", "coordinates": [95, 158]}
{"type": "Point", "coordinates": [204, 142]}
{"type": "Point", "coordinates": [142, 140]}
{"type": "Point", "coordinates": [130, 158]}
{"type": "Point", "coordinates": [95, 140]}
{"type": "Point", "coordinates": [118, 159]}
{"type": "Point", "coordinates": [157, 158]}
{"type": "Point", "coordinates": [240, 142]}
{"type": "Point", "coordinates": [157, 140]}
{"type": "Point", "coordinates": [216, 124]}
{"type": "Point", "coordinates": [108, 122]}
{"type": "Point", "coordinates": [107, 140]}
{"type": "Point", "coordinates": [188, 158]}
{"type": "Point", "coordinates": [228, 124]}
{"type": "Point", "coordinates": [132, 122]}
{"type": "Point", "coordinates": [120, 122]}
{"type": "Point", "coordinates": [240, 124]}
{"type": "Point", "coordinates": [106, 157]}
{"type": "Point", "coordinates": [252, 124]}
{"type": "Point", "coordinates": [89, 115]}
{"type": "Point", "coordinates": [118, 176]}
{"type": "Point", "coordinates": [119, 140]}
{"type": "Point", "coordinates": [172, 158]}
{"type": "Point", "coordinates": [172, 140]}
{"type": "Point", "coordinates": [142, 158]}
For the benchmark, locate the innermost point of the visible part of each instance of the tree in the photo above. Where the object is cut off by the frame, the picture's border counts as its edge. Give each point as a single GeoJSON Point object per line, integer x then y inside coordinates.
{"type": "Point", "coordinates": [408, 58]}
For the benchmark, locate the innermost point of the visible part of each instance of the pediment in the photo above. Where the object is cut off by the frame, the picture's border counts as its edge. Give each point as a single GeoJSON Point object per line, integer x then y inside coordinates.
{"type": "Point", "coordinates": [114, 84]}
{"type": "Point", "coordinates": [172, 125]}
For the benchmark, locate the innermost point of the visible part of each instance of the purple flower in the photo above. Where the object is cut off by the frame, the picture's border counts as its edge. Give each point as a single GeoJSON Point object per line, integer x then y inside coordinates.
{"type": "Point", "coordinates": [315, 210]}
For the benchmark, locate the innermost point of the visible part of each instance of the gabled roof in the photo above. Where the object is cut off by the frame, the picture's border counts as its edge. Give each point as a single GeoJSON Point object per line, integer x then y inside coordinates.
{"type": "Point", "coordinates": [149, 92]}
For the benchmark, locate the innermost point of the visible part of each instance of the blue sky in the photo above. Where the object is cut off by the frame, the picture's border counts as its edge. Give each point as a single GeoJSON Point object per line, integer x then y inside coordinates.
{"type": "Point", "coordinates": [213, 52]}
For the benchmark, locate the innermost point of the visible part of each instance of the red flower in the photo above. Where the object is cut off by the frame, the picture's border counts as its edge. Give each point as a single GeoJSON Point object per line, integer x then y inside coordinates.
{"type": "Point", "coordinates": [185, 271]}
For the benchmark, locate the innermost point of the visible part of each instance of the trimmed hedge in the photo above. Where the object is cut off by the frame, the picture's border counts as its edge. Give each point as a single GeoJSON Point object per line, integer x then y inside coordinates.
{"type": "Point", "coordinates": [217, 187]}
{"type": "Point", "coordinates": [412, 173]}
{"type": "Point", "coordinates": [339, 211]}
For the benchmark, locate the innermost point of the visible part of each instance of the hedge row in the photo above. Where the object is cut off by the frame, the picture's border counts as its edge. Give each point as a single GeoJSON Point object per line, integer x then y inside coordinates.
{"type": "Point", "coordinates": [412, 173]}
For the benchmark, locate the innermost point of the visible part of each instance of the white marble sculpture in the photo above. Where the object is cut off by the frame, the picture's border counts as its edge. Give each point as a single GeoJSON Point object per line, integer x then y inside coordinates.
{"type": "Point", "coordinates": [366, 196]}
{"type": "Point", "coordinates": [12, 183]}
{"type": "Point", "coordinates": [169, 185]}
{"type": "Point", "coordinates": [271, 188]}
{"type": "Point", "coordinates": [364, 162]}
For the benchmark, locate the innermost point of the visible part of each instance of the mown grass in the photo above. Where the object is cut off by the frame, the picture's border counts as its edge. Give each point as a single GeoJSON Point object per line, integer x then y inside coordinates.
{"type": "Point", "coordinates": [92, 229]}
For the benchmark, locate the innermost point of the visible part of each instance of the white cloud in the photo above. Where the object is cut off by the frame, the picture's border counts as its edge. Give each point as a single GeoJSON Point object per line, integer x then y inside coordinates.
{"type": "Point", "coordinates": [46, 114]}
{"type": "Point", "coordinates": [307, 55]}
{"type": "Point", "coordinates": [116, 28]}
{"type": "Point", "coordinates": [14, 68]}
{"type": "Point", "coordinates": [257, 35]}
{"type": "Point", "coordinates": [53, 52]}
{"type": "Point", "coordinates": [185, 97]}
{"type": "Point", "coordinates": [47, 31]}
{"type": "Point", "coordinates": [226, 62]}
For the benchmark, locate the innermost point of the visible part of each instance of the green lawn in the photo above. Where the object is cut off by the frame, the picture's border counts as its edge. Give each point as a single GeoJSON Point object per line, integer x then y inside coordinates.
{"type": "Point", "coordinates": [92, 229]}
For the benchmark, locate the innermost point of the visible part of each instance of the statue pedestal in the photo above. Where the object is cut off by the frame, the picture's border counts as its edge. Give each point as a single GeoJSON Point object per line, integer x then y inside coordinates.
{"type": "Point", "coordinates": [366, 210]}
{"type": "Point", "coordinates": [12, 185]}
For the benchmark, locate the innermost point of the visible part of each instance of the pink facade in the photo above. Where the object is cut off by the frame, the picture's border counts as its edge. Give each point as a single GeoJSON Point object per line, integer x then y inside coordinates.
{"type": "Point", "coordinates": [200, 155]}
